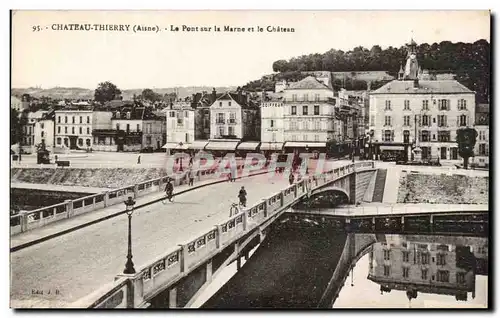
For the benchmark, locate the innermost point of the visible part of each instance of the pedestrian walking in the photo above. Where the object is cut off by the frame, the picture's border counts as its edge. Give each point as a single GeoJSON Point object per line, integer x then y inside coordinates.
{"type": "Point", "coordinates": [242, 195]}
{"type": "Point", "coordinates": [169, 189]}
{"type": "Point", "coordinates": [233, 174]}
{"type": "Point", "coordinates": [191, 177]}
{"type": "Point", "coordinates": [139, 159]}
{"type": "Point", "coordinates": [291, 178]}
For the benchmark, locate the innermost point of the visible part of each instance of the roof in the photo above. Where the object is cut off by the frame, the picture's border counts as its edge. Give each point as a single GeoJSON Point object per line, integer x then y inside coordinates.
{"type": "Point", "coordinates": [135, 113]}
{"type": "Point", "coordinates": [244, 101]}
{"type": "Point", "coordinates": [309, 82]}
{"type": "Point", "coordinates": [482, 108]}
{"type": "Point", "coordinates": [424, 87]}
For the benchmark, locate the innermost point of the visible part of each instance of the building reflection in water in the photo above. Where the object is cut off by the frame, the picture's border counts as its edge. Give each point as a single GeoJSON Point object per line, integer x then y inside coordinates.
{"type": "Point", "coordinates": [428, 264]}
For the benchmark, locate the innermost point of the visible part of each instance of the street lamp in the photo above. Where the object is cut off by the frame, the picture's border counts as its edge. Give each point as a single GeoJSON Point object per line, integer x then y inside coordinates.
{"type": "Point", "coordinates": [182, 157]}
{"type": "Point", "coordinates": [129, 266]}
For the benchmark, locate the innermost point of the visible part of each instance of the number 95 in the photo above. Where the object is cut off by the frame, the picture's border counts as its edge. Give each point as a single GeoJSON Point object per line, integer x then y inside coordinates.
{"type": "Point", "coordinates": [36, 28]}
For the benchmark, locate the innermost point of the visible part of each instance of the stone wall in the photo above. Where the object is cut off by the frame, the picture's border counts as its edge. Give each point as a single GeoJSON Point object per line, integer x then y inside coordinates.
{"type": "Point", "coordinates": [97, 177]}
{"type": "Point", "coordinates": [362, 182]}
{"type": "Point", "coordinates": [442, 188]}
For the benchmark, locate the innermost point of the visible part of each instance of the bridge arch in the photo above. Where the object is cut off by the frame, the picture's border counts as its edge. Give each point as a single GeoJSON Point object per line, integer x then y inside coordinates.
{"type": "Point", "coordinates": [325, 198]}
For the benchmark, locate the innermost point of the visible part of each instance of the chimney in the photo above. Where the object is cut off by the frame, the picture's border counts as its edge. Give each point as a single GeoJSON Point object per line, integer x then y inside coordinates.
{"type": "Point", "coordinates": [240, 96]}
{"type": "Point", "coordinates": [415, 83]}
{"type": "Point", "coordinates": [214, 95]}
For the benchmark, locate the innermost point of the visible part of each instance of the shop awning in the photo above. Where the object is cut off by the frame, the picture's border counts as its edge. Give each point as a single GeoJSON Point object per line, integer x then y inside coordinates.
{"type": "Point", "coordinates": [170, 145]}
{"type": "Point", "coordinates": [248, 145]}
{"type": "Point", "coordinates": [293, 144]}
{"type": "Point", "coordinates": [222, 145]}
{"type": "Point", "coordinates": [382, 148]}
{"type": "Point", "coordinates": [182, 146]}
{"type": "Point", "coordinates": [198, 144]}
{"type": "Point", "coordinates": [271, 146]}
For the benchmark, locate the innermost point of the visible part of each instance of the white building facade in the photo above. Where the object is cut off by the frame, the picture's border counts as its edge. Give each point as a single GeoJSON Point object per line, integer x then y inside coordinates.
{"type": "Point", "coordinates": [308, 114]}
{"type": "Point", "coordinates": [73, 129]}
{"type": "Point", "coordinates": [272, 125]}
{"type": "Point", "coordinates": [226, 118]}
{"type": "Point", "coordinates": [179, 126]}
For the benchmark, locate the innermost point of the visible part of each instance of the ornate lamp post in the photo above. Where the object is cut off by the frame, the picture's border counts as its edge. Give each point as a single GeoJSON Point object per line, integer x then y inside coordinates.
{"type": "Point", "coordinates": [129, 266]}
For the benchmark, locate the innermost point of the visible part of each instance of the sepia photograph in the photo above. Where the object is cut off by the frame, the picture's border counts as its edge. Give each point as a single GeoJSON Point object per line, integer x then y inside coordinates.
{"type": "Point", "coordinates": [250, 159]}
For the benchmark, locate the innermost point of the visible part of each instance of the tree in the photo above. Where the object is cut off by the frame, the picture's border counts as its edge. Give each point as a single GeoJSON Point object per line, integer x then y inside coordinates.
{"type": "Point", "coordinates": [466, 140]}
{"type": "Point", "coordinates": [150, 95]}
{"type": "Point", "coordinates": [280, 66]}
{"type": "Point", "coordinates": [15, 126]}
{"type": "Point", "coordinates": [106, 92]}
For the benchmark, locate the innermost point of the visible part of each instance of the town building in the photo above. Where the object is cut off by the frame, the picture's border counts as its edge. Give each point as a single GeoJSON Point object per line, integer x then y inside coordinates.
{"type": "Point", "coordinates": [137, 129]}
{"type": "Point", "coordinates": [73, 128]}
{"type": "Point", "coordinates": [234, 117]}
{"type": "Point", "coordinates": [308, 115]}
{"type": "Point", "coordinates": [201, 103]}
{"type": "Point", "coordinates": [412, 118]}
{"type": "Point", "coordinates": [272, 125]}
{"type": "Point", "coordinates": [421, 265]}
{"type": "Point", "coordinates": [103, 131]}
{"type": "Point", "coordinates": [44, 131]}
{"type": "Point", "coordinates": [28, 140]}
{"type": "Point", "coordinates": [19, 104]}
{"type": "Point", "coordinates": [179, 125]}
{"type": "Point", "coordinates": [482, 126]}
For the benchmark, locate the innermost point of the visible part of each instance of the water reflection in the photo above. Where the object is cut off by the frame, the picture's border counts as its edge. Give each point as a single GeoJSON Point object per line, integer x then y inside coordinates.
{"type": "Point", "coordinates": [419, 271]}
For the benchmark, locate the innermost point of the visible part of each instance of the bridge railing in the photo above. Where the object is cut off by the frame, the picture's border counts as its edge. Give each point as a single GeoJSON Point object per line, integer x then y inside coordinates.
{"type": "Point", "coordinates": [28, 220]}
{"type": "Point", "coordinates": [162, 271]}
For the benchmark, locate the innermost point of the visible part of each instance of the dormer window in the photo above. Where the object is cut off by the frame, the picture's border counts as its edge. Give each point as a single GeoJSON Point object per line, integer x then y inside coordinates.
{"type": "Point", "coordinates": [128, 115]}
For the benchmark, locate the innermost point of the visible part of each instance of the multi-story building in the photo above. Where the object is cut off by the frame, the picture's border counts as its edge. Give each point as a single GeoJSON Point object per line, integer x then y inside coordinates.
{"type": "Point", "coordinates": [73, 128]}
{"type": "Point", "coordinates": [201, 104]}
{"type": "Point", "coordinates": [272, 125]}
{"type": "Point", "coordinates": [482, 126]}
{"type": "Point", "coordinates": [423, 266]}
{"type": "Point", "coordinates": [179, 125]}
{"type": "Point", "coordinates": [234, 117]}
{"type": "Point", "coordinates": [103, 132]}
{"type": "Point", "coordinates": [28, 140]}
{"type": "Point", "coordinates": [422, 115]}
{"type": "Point", "coordinates": [308, 115]}
{"type": "Point", "coordinates": [44, 131]}
{"type": "Point", "coordinates": [137, 128]}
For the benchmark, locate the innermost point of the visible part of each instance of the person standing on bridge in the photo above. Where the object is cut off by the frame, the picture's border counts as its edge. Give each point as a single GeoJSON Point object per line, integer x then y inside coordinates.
{"type": "Point", "coordinates": [169, 189]}
{"type": "Point", "coordinates": [242, 195]}
{"type": "Point", "coordinates": [139, 160]}
{"type": "Point", "coordinates": [291, 178]}
{"type": "Point", "coordinates": [190, 177]}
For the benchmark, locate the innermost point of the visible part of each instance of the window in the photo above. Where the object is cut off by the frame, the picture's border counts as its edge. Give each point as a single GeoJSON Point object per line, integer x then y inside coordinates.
{"type": "Point", "coordinates": [444, 136]}
{"type": "Point", "coordinates": [443, 104]}
{"type": "Point", "coordinates": [317, 125]}
{"type": "Point", "coordinates": [434, 120]}
{"type": "Point", "coordinates": [88, 130]}
{"type": "Point", "coordinates": [425, 120]}
{"type": "Point", "coordinates": [387, 255]}
{"type": "Point", "coordinates": [273, 138]}
{"type": "Point", "coordinates": [58, 140]}
{"type": "Point", "coordinates": [41, 125]}
{"type": "Point", "coordinates": [406, 256]}
{"type": "Point", "coordinates": [148, 140]}
{"type": "Point", "coordinates": [58, 129]}
{"type": "Point", "coordinates": [88, 142]}
{"type": "Point", "coordinates": [406, 120]}
{"type": "Point", "coordinates": [58, 119]}
{"type": "Point", "coordinates": [138, 128]}
{"type": "Point", "coordinates": [80, 130]}
{"type": "Point", "coordinates": [221, 130]}
{"type": "Point", "coordinates": [388, 135]}
{"type": "Point", "coordinates": [462, 120]}
{"type": "Point", "coordinates": [232, 118]}
{"type": "Point", "coordinates": [483, 149]}
{"type": "Point", "coordinates": [406, 272]}
{"type": "Point", "coordinates": [73, 130]}
{"type": "Point", "coordinates": [306, 125]}
{"type": "Point", "coordinates": [305, 138]}
{"type": "Point", "coordinates": [65, 119]}
{"type": "Point", "coordinates": [228, 103]}
{"type": "Point", "coordinates": [220, 104]}
{"type": "Point", "coordinates": [387, 121]}
{"type": "Point", "coordinates": [294, 138]}
{"type": "Point", "coordinates": [42, 134]}
{"type": "Point", "coordinates": [294, 97]}
{"type": "Point", "coordinates": [81, 119]}
{"type": "Point", "coordinates": [294, 110]}
{"type": "Point", "coordinates": [316, 98]}
{"type": "Point", "coordinates": [316, 109]}
{"type": "Point", "coordinates": [117, 126]}
{"type": "Point", "coordinates": [387, 271]}
{"type": "Point", "coordinates": [407, 105]}
{"type": "Point", "coordinates": [433, 136]}
{"type": "Point", "coordinates": [462, 104]}
{"type": "Point", "coordinates": [442, 122]}
{"type": "Point", "coordinates": [425, 258]}
{"type": "Point", "coordinates": [88, 119]}
{"type": "Point", "coordinates": [425, 104]}
{"type": "Point", "coordinates": [316, 137]}
{"type": "Point", "coordinates": [271, 123]}
{"type": "Point", "coordinates": [220, 118]}
{"type": "Point", "coordinates": [443, 276]}
{"type": "Point", "coordinates": [306, 97]}
{"type": "Point", "coordinates": [230, 130]}
{"type": "Point", "coordinates": [424, 273]}
{"type": "Point", "coordinates": [172, 114]}
{"type": "Point", "coordinates": [304, 110]}
{"type": "Point", "coordinates": [80, 142]}
{"type": "Point", "coordinates": [387, 105]}
{"type": "Point", "coordinates": [372, 120]}
{"type": "Point", "coordinates": [73, 119]}
{"type": "Point", "coordinates": [441, 259]}
{"type": "Point", "coordinates": [128, 127]}
{"type": "Point", "coordinates": [460, 278]}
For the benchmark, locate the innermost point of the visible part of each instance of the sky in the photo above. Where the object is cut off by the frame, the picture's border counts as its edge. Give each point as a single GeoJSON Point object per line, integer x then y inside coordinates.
{"type": "Point", "coordinates": [50, 58]}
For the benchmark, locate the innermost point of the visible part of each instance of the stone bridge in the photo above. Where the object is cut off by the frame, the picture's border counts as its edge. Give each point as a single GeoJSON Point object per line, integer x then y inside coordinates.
{"type": "Point", "coordinates": [180, 275]}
